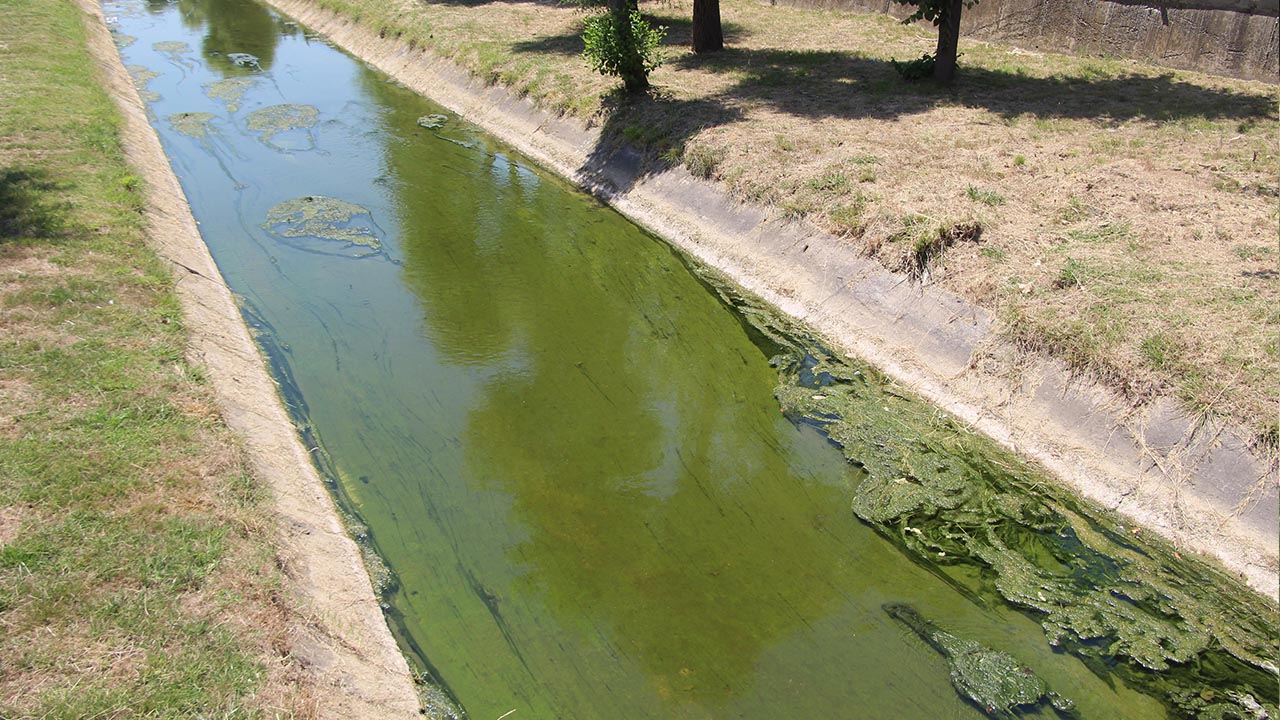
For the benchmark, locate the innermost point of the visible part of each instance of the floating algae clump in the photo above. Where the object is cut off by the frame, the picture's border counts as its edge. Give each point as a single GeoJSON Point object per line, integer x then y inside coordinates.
{"type": "Point", "coordinates": [275, 119]}
{"type": "Point", "coordinates": [192, 124]}
{"type": "Point", "coordinates": [229, 91]}
{"type": "Point", "coordinates": [123, 41]}
{"type": "Point", "coordinates": [1122, 603]}
{"type": "Point", "coordinates": [173, 48]}
{"type": "Point", "coordinates": [993, 679]}
{"type": "Point", "coordinates": [143, 75]}
{"type": "Point", "coordinates": [244, 60]}
{"type": "Point", "coordinates": [325, 225]}
{"type": "Point", "coordinates": [433, 122]}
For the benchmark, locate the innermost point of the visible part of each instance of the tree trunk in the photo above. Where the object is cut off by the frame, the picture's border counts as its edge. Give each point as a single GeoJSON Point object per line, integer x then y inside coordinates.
{"type": "Point", "coordinates": [707, 35]}
{"type": "Point", "coordinates": [634, 77]}
{"type": "Point", "coordinates": [944, 68]}
{"type": "Point", "coordinates": [635, 82]}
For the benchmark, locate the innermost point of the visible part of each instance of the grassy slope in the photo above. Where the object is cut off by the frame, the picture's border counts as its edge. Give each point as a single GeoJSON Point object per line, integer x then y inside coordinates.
{"type": "Point", "coordinates": [137, 575]}
{"type": "Point", "coordinates": [1129, 212]}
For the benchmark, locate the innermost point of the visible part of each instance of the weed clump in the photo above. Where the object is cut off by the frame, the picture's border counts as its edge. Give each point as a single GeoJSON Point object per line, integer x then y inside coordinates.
{"type": "Point", "coordinates": [702, 160]}
{"type": "Point", "coordinates": [915, 70]}
{"type": "Point", "coordinates": [850, 218]}
{"type": "Point", "coordinates": [990, 198]}
{"type": "Point", "coordinates": [1071, 275]}
{"type": "Point", "coordinates": [926, 240]}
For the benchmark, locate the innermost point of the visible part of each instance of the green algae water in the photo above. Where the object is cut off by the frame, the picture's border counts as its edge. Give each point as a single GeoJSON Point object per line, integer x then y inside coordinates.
{"type": "Point", "coordinates": [596, 482]}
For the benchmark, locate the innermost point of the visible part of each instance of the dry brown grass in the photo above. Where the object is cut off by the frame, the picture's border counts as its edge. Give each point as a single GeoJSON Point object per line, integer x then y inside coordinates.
{"type": "Point", "coordinates": [1129, 212]}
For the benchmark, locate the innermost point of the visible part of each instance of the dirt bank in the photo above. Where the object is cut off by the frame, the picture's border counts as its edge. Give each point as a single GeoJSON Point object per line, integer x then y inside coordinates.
{"type": "Point", "coordinates": [339, 633]}
{"type": "Point", "coordinates": [1198, 485]}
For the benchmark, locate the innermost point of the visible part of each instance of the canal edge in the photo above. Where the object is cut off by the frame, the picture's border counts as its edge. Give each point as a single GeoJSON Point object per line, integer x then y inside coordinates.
{"type": "Point", "coordinates": [1202, 488]}
{"type": "Point", "coordinates": [339, 634]}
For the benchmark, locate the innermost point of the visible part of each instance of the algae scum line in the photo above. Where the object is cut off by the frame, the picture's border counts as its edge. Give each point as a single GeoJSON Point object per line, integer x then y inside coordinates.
{"type": "Point", "coordinates": [595, 481]}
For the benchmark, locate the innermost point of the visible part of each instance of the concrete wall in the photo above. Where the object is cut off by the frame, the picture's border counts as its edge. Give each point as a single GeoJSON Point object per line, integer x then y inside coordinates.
{"type": "Point", "coordinates": [1237, 38]}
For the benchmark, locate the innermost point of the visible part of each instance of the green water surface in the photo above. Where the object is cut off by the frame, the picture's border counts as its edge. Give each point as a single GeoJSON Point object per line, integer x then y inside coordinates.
{"type": "Point", "coordinates": [568, 449]}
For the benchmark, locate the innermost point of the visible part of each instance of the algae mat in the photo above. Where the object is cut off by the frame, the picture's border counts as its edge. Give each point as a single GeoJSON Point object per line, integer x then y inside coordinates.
{"type": "Point", "coordinates": [600, 484]}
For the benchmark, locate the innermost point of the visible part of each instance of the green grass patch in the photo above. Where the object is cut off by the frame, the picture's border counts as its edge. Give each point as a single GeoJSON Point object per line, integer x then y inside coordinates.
{"type": "Point", "coordinates": [136, 566]}
{"type": "Point", "coordinates": [986, 197]}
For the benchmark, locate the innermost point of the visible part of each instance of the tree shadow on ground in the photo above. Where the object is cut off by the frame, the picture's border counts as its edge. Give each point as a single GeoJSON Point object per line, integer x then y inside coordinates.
{"type": "Point", "coordinates": [679, 35]}
{"type": "Point", "coordinates": [478, 3]}
{"type": "Point", "coordinates": [824, 84]}
{"type": "Point", "coordinates": [644, 134]}
{"type": "Point", "coordinates": [25, 210]}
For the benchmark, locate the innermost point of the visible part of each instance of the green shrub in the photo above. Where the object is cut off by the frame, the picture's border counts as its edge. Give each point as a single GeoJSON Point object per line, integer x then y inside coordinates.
{"type": "Point", "coordinates": [623, 45]}
{"type": "Point", "coordinates": [914, 70]}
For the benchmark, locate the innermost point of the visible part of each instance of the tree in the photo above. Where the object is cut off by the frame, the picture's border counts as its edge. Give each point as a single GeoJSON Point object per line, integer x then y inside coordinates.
{"type": "Point", "coordinates": [945, 14]}
{"type": "Point", "coordinates": [707, 34]}
{"type": "Point", "coordinates": [620, 42]}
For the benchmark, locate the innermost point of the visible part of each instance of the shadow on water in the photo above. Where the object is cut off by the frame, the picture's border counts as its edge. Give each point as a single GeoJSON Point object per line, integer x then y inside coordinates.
{"type": "Point", "coordinates": [25, 210]}
{"type": "Point", "coordinates": [833, 84]}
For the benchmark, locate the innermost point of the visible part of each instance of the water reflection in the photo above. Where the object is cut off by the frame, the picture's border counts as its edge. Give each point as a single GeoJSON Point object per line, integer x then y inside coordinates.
{"type": "Point", "coordinates": [630, 421]}
{"type": "Point", "coordinates": [231, 26]}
